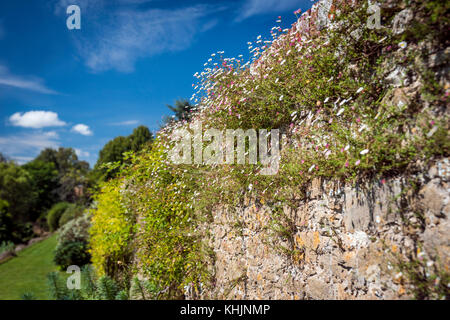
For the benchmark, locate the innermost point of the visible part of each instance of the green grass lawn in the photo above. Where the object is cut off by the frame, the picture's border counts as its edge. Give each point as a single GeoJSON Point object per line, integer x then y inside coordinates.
{"type": "Point", "coordinates": [28, 271]}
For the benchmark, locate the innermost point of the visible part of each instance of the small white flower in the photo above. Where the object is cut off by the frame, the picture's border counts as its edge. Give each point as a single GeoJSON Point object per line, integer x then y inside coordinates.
{"type": "Point", "coordinates": [365, 151]}
{"type": "Point", "coordinates": [430, 264]}
{"type": "Point", "coordinates": [340, 111]}
{"type": "Point", "coordinates": [359, 90]}
{"type": "Point", "coordinates": [311, 168]}
{"type": "Point", "coordinates": [403, 44]}
{"type": "Point", "coordinates": [281, 98]}
{"type": "Point", "coordinates": [347, 147]}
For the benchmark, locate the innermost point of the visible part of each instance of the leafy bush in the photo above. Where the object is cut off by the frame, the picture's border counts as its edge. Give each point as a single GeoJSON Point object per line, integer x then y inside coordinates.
{"type": "Point", "coordinates": [111, 232]}
{"type": "Point", "coordinates": [72, 253]}
{"type": "Point", "coordinates": [55, 213]}
{"type": "Point", "coordinates": [73, 211]}
{"type": "Point", "coordinates": [75, 230]}
{"type": "Point", "coordinates": [6, 246]}
{"type": "Point", "coordinates": [103, 288]}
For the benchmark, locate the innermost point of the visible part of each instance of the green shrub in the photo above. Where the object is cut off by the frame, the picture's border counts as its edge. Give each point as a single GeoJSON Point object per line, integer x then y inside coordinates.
{"type": "Point", "coordinates": [6, 246]}
{"type": "Point", "coordinates": [73, 211]}
{"type": "Point", "coordinates": [75, 230]}
{"type": "Point", "coordinates": [72, 253]}
{"type": "Point", "coordinates": [92, 288]}
{"type": "Point", "coordinates": [28, 296]}
{"type": "Point", "coordinates": [55, 213]}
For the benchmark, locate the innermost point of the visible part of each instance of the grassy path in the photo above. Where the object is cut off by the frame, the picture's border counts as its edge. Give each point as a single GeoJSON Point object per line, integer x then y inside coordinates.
{"type": "Point", "coordinates": [28, 271]}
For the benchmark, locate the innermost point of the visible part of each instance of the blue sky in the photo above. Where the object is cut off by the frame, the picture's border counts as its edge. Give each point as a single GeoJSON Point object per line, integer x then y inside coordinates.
{"type": "Point", "coordinates": [81, 88]}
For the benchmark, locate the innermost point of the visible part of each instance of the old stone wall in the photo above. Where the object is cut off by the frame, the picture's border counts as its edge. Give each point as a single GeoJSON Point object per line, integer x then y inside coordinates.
{"type": "Point", "coordinates": [342, 242]}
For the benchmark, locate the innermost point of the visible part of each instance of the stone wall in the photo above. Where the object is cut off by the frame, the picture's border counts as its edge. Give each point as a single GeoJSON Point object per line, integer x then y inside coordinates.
{"type": "Point", "coordinates": [343, 241]}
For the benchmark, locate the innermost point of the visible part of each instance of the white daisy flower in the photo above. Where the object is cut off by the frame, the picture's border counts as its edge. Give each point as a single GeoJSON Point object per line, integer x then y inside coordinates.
{"type": "Point", "coordinates": [403, 44]}
{"type": "Point", "coordinates": [365, 151]}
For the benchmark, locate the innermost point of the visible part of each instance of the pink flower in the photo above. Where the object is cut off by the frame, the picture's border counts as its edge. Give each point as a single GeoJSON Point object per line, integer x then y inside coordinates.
{"type": "Point", "coordinates": [357, 162]}
{"type": "Point", "coordinates": [346, 164]}
{"type": "Point", "coordinates": [383, 181]}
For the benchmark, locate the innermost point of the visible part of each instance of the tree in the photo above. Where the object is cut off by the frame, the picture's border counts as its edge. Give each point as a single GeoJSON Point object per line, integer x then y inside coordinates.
{"type": "Point", "coordinates": [16, 187]}
{"type": "Point", "coordinates": [64, 159]}
{"type": "Point", "coordinates": [183, 111]}
{"type": "Point", "coordinates": [72, 172]}
{"type": "Point", "coordinates": [44, 179]}
{"type": "Point", "coordinates": [113, 151]}
{"type": "Point", "coordinates": [140, 136]}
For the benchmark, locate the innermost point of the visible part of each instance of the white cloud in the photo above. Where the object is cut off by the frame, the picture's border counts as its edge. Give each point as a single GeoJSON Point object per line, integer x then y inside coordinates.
{"type": "Point", "coordinates": [24, 147]}
{"type": "Point", "coordinates": [256, 7]}
{"type": "Point", "coordinates": [125, 123]}
{"type": "Point", "coordinates": [82, 129]}
{"type": "Point", "coordinates": [128, 34]}
{"type": "Point", "coordinates": [81, 153]}
{"type": "Point", "coordinates": [21, 82]}
{"type": "Point", "coordinates": [36, 119]}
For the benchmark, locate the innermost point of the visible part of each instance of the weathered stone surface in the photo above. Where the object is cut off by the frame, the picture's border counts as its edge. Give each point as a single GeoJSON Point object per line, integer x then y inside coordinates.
{"type": "Point", "coordinates": [346, 239]}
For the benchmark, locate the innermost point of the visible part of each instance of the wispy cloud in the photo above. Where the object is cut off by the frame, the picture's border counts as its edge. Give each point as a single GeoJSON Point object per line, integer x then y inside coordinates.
{"type": "Point", "coordinates": [127, 34]}
{"type": "Point", "coordinates": [36, 119]}
{"type": "Point", "coordinates": [125, 123]}
{"type": "Point", "coordinates": [256, 7]}
{"type": "Point", "coordinates": [23, 82]}
{"type": "Point", "coordinates": [81, 153]}
{"type": "Point", "coordinates": [82, 129]}
{"type": "Point", "coordinates": [25, 146]}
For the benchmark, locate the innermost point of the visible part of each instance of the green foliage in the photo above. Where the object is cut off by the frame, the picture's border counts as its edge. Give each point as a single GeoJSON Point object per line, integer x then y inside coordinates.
{"type": "Point", "coordinates": [113, 151]}
{"type": "Point", "coordinates": [55, 213]}
{"type": "Point", "coordinates": [107, 289]}
{"type": "Point", "coordinates": [6, 246]}
{"type": "Point", "coordinates": [6, 223]}
{"type": "Point", "coordinates": [103, 288]}
{"type": "Point", "coordinates": [71, 172]}
{"type": "Point", "coordinates": [73, 211]}
{"type": "Point", "coordinates": [44, 178]}
{"type": "Point", "coordinates": [71, 253]}
{"type": "Point", "coordinates": [111, 232]}
{"type": "Point", "coordinates": [28, 296]}
{"type": "Point", "coordinates": [16, 187]}
{"type": "Point", "coordinates": [72, 248]}
{"type": "Point", "coordinates": [182, 110]}
{"type": "Point", "coordinates": [75, 230]}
